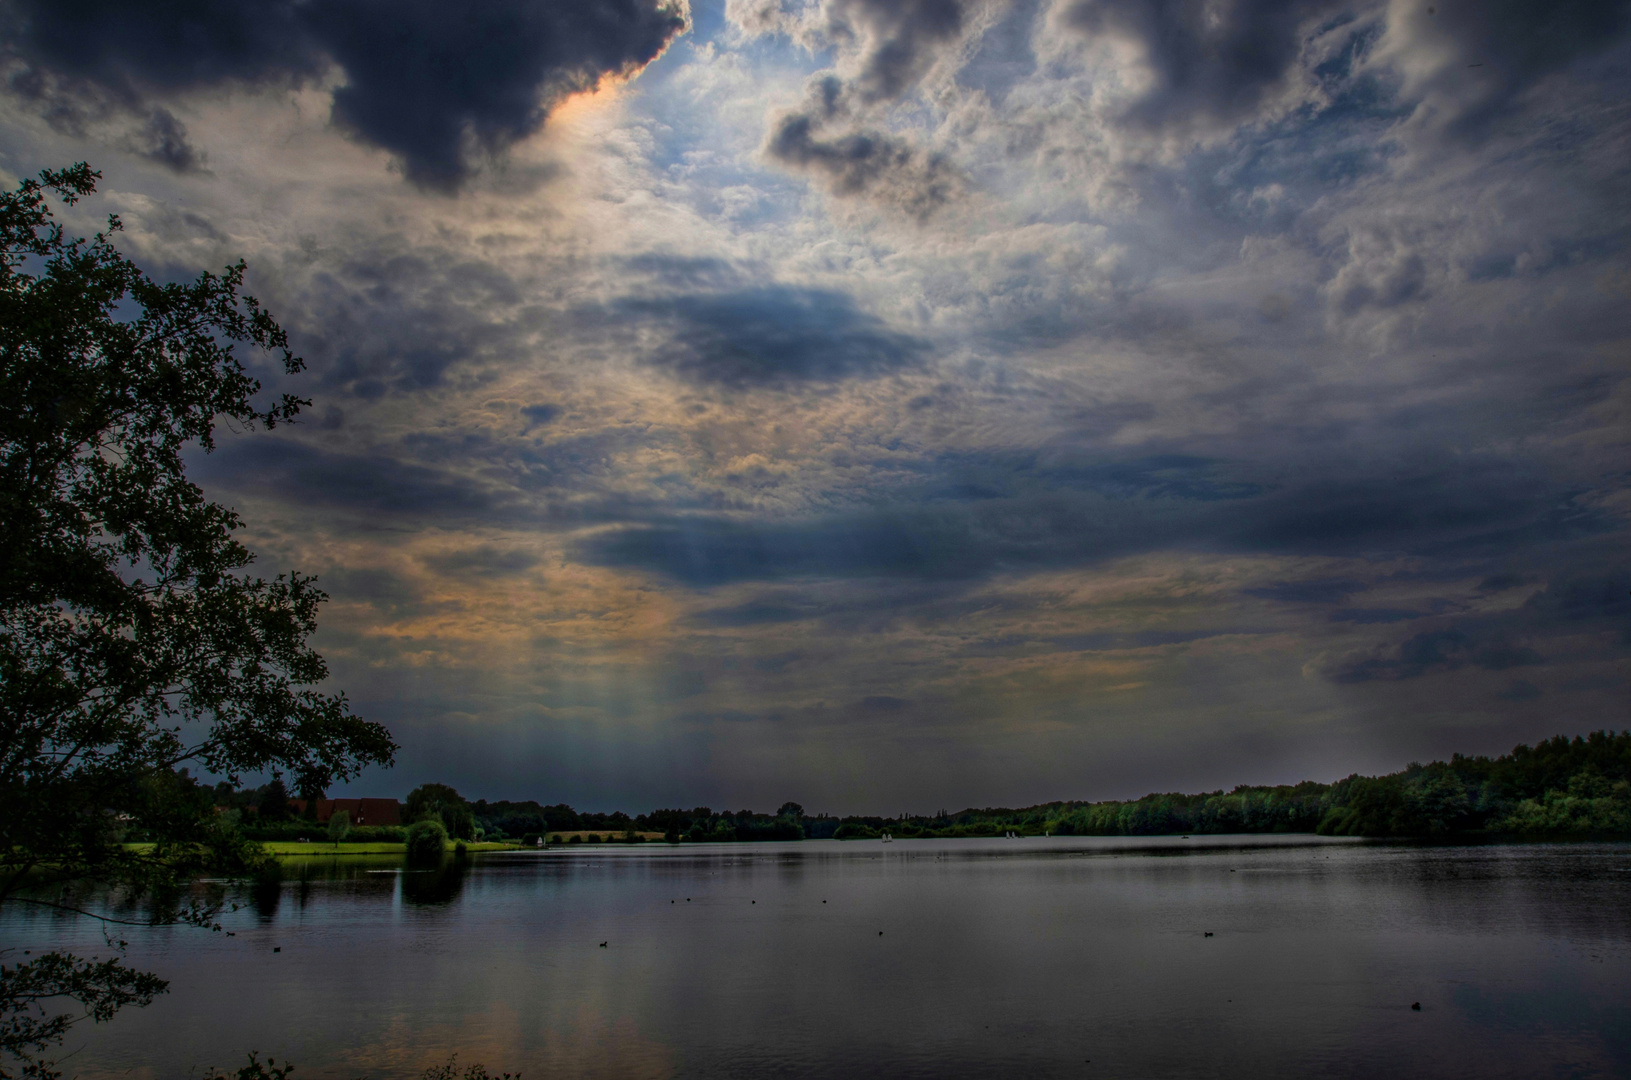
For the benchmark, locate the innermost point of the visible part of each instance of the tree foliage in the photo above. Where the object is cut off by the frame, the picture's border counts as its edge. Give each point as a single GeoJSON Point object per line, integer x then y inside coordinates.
{"type": "Point", "coordinates": [32, 992]}
{"type": "Point", "coordinates": [133, 636]}
{"type": "Point", "coordinates": [427, 840]}
{"type": "Point", "coordinates": [445, 805]}
{"type": "Point", "coordinates": [339, 826]}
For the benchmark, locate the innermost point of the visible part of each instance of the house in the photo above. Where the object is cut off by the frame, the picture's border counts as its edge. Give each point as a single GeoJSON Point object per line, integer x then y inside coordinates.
{"type": "Point", "coordinates": [365, 812]}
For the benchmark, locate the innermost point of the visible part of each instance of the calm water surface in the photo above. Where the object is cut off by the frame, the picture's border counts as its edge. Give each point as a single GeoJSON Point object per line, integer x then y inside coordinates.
{"type": "Point", "coordinates": [1002, 958]}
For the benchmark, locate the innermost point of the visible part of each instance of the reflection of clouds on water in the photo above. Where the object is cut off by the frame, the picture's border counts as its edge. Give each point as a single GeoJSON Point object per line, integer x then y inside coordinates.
{"type": "Point", "coordinates": [573, 1042]}
{"type": "Point", "coordinates": [776, 966]}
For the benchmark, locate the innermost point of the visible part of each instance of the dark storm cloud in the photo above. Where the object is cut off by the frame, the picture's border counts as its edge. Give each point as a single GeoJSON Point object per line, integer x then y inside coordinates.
{"type": "Point", "coordinates": [437, 85]}
{"type": "Point", "coordinates": [1438, 650]}
{"type": "Point", "coordinates": [769, 335]}
{"type": "Point", "coordinates": [1585, 601]}
{"type": "Point", "coordinates": [371, 484]}
{"type": "Point", "coordinates": [1368, 616]}
{"type": "Point", "coordinates": [164, 139]}
{"type": "Point", "coordinates": [1461, 509]}
{"type": "Point", "coordinates": [1215, 62]}
{"type": "Point", "coordinates": [540, 415]}
{"type": "Point", "coordinates": [427, 80]}
{"type": "Point", "coordinates": [390, 319]}
{"type": "Point", "coordinates": [707, 552]}
{"type": "Point", "coordinates": [1519, 690]}
{"type": "Point", "coordinates": [903, 38]}
{"type": "Point", "coordinates": [958, 521]}
{"type": "Point", "coordinates": [830, 136]}
{"type": "Point", "coordinates": [1316, 591]}
{"type": "Point", "coordinates": [1205, 59]}
{"type": "Point", "coordinates": [1483, 53]}
{"type": "Point", "coordinates": [883, 167]}
{"type": "Point", "coordinates": [1575, 602]}
{"type": "Point", "coordinates": [957, 518]}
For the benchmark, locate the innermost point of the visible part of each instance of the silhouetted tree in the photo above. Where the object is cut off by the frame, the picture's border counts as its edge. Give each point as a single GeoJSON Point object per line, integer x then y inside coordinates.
{"type": "Point", "coordinates": [133, 638]}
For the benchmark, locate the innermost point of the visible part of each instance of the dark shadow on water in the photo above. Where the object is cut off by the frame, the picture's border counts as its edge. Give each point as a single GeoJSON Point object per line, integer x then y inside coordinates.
{"type": "Point", "coordinates": [267, 890]}
{"type": "Point", "coordinates": [434, 885]}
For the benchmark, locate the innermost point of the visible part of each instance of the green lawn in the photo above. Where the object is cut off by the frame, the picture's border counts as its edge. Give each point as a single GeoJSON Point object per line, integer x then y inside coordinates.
{"type": "Point", "coordinates": [324, 847]}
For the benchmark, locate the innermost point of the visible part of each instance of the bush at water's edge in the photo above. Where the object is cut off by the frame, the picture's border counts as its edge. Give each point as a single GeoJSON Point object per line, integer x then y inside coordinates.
{"type": "Point", "coordinates": [427, 840]}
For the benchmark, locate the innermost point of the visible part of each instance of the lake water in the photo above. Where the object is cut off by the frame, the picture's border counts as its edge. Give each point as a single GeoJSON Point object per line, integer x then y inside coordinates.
{"type": "Point", "coordinates": [974, 958]}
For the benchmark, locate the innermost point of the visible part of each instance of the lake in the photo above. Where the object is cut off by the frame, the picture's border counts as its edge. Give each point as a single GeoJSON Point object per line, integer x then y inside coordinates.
{"type": "Point", "coordinates": [1234, 956]}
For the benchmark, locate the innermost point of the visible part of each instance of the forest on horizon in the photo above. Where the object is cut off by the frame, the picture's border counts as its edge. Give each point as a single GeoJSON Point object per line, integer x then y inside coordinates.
{"type": "Point", "coordinates": [1560, 787]}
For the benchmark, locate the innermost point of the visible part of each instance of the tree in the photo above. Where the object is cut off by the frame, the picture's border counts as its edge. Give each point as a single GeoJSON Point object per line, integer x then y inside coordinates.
{"type": "Point", "coordinates": [442, 803]}
{"type": "Point", "coordinates": [312, 788]}
{"type": "Point", "coordinates": [427, 840]}
{"type": "Point", "coordinates": [339, 826]}
{"type": "Point", "coordinates": [133, 637]}
{"type": "Point", "coordinates": [274, 802]}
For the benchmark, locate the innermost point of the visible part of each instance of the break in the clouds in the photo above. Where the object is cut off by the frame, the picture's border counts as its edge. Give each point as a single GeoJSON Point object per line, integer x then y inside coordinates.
{"type": "Point", "coordinates": [437, 85]}
{"type": "Point", "coordinates": [923, 403]}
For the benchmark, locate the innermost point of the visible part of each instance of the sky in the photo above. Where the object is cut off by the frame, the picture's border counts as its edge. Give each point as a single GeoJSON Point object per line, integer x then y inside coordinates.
{"type": "Point", "coordinates": [897, 405]}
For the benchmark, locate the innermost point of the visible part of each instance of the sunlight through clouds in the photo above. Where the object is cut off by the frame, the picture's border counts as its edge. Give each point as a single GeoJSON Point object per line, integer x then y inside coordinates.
{"type": "Point", "coordinates": [1065, 397]}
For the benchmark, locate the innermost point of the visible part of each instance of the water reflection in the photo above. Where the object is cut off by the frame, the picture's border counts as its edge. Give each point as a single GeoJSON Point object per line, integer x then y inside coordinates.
{"type": "Point", "coordinates": [267, 890]}
{"type": "Point", "coordinates": [435, 886]}
{"type": "Point", "coordinates": [1223, 957]}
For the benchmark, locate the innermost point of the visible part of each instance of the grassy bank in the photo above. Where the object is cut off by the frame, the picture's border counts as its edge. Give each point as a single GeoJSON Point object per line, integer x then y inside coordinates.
{"type": "Point", "coordinates": [284, 848]}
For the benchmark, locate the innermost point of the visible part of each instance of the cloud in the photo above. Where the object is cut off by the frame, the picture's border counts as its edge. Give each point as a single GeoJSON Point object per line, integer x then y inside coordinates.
{"type": "Point", "coordinates": [482, 561]}
{"type": "Point", "coordinates": [886, 48]}
{"type": "Point", "coordinates": [438, 86]}
{"type": "Point", "coordinates": [1456, 508]}
{"type": "Point", "coordinates": [164, 139]}
{"type": "Point", "coordinates": [865, 162]}
{"type": "Point", "coordinates": [958, 536]}
{"type": "Point", "coordinates": [369, 483]}
{"type": "Point", "coordinates": [1316, 591]}
{"type": "Point", "coordinates": [1367, 616]}
{"type": "Point", "coordinates": [540, 415]}
{"type": "Point", "coordinates": [1434, 651]}
{"type": "Point", "coordinates": [890, 44]}
{"type": "Point", "coordinates": [898, 40]}
{"type": "Point", "coordinates": [1577, 612]}
{"type": "Point", "coordinates": [1519, 690]}
{"type": "Point", "coordinates": [1200, 60]}
{"type": "Point", "coordinates": [1465, 60]}
{"type": "Point", "coordinates": [772, 335]}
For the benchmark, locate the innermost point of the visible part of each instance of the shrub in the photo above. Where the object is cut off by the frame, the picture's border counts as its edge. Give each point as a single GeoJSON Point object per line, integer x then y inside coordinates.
{"type": "Point", "coordinates": [450, 1071]}
{"type": "Point", "coordinates": [426, 840]}
{"type": "Point", "coordinates": [256, 1070]}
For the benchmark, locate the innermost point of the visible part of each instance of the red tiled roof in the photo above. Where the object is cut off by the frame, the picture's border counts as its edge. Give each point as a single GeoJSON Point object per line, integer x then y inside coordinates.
{"type": "Point", "coordinates": [367, 812]}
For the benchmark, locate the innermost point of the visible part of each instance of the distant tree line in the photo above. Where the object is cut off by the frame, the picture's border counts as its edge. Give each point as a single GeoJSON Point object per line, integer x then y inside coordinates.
{"type": "Point", "coordinates": [1560, 787]}
{"type": "Point", "coordinates": [526, 820]}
